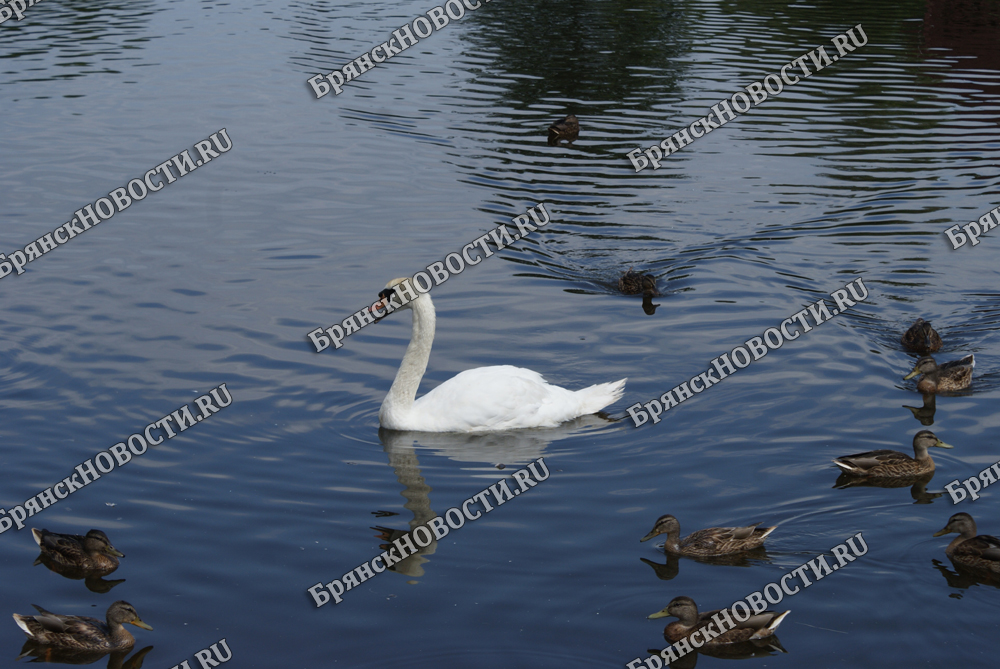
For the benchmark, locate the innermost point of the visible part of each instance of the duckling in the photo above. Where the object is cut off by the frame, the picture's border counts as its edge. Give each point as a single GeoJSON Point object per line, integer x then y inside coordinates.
{"type": "Point", "coordinates": [893, 464]}
{"type": "Point", "coordinates": [568, 129]}
{"type": "Point", "coordinates": [954, 375]}
{"type": "Point", "coordinates": [759, 626]}
{"type": "Point", "coordinates": [708, 542]}
{"type": "Point", "coordinates": [921, 338]}
{"type": "Point", "coordinates": [82, 632]}
{"type": "Point", "coordinates": [633, 283]}
{"type": "Point", "coordinates": [979, 553]}
{"type": "Point", "coordinates": [92, 552]}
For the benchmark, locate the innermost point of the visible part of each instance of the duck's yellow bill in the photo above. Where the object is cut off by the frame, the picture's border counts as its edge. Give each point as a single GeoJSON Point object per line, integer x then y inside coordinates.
{"type": "Point", "coordinates": [941, 533]}
{"type": "Point", "coordinates": [941, 444]}
{"type": "Point", "coordinates": [911, 375]}
{"type": "Point", "coordinates": [658, 614]}
{"type": "Point", "coordinates": [139, 623]}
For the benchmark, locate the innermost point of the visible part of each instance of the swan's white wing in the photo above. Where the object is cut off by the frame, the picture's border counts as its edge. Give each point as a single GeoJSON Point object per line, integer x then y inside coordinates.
{"type": "Point", "coordinates": [495, 398]}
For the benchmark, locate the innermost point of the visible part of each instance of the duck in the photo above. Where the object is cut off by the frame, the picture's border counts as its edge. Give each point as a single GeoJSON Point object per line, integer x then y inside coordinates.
{"type": "Point", "coordinates": [483, 399]}
{"type": "Point", "coordinates": [568, 129]}
{"type": "Point", "coordinates": [953, 375]}
{"type": "Point", "coordinates": [633, 283]}
{"type": "Point", "coordinates": [82, 632]}
{"type": "Point", "coordinates": [893, 464]}
{"type": "Point", "coordinates": [708, 542]}
{"type": "Point", "coordinates": [979, 553]}
{"type": "Point", "coordinates": [758, 626]}
{"type": "Point", "coordinates": [92, 552]}
{"type": "Point", "coordinates": [921, 338]}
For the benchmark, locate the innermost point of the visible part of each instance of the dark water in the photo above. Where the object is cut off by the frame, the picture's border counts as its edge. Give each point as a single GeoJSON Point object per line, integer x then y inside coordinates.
{"type": "Point", "coordinates": [853, 172]}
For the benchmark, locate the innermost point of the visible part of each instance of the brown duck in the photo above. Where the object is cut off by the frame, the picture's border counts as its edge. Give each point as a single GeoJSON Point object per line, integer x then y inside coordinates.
{"type": "Point", "coordinates": [82, 632]}
{"type": "Point", "coordinates": [759, 626]}
{"type": "Point", "coordinates": [710, 541]}
{"type": "Point", "coordinates": [979, 553]}
{"type": "Point", "coordinates": [893, 464]}
{"type": "Point", "coordinates": [92, 552]}
{"type": "Point", "coordinates": [568, 129]}
{"type": "Point", "coordinates": [953, 375]}
{"type": "Point", "coordinates": [921, 338]}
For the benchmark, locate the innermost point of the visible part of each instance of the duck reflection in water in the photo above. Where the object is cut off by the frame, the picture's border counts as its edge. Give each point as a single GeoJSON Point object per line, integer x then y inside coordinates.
{"type": "Point", "coordinates": [925, 413]}
{"type": "Point", "coordinates": [116, 660]}
{"type": "Point", "coordinates": [671, 568]}
{"type": "Point", "coordinates": [634, 283]}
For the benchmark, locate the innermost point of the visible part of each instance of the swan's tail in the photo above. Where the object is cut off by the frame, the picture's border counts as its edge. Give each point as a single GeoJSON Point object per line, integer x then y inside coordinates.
{"type": "Point", "coordinates": [600, 395]}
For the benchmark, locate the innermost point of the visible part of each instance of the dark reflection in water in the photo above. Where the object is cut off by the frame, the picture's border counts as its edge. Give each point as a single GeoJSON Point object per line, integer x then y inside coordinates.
{"type": "Point", "coordinates": [925, 412]}
{"type": "Point", "coordinates": [734, 651]}
{"type": "Point", "coordinates": [116, 660]}
{"type": "Point", "coordinates": [91, 578]}
{"type": "Point", "coordinates": [963, 578]}
{"type": "Point", "coordinates": [76, 38]}
{"type": "Point", "coordinates": [671, 568]}
{"type": "Point", "coordinates": [917, 485]}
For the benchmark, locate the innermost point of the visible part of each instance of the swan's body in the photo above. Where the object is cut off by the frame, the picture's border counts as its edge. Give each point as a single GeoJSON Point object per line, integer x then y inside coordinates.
{"type": "Point", "coordinates": [482, 399]}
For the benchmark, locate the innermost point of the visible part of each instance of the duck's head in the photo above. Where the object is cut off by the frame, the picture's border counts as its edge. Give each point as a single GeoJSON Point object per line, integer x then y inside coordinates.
{"type": "Point", "coordinates": [926, 332]}
{"type": "Point", "coordinates": [123, 612]}
{"type": "Point", "coordinates": [98, 542]}
{"type": "Point", "coordinates": [925, 365]}
{"type": "Point", "coordinates": [960, 523]}
{"type": "Point", "coordinates": [664, 525]}
{"type": "Point", "coordinates": [679, 607]}
{"type": "Point", "coordinates": [926, 439]}
{"type": "Point", "coordinates": [391, 291]}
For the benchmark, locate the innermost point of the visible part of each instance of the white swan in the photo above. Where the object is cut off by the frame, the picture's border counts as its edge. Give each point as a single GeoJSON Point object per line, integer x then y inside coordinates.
{"type": "Point", "coordinates": [481, 399]}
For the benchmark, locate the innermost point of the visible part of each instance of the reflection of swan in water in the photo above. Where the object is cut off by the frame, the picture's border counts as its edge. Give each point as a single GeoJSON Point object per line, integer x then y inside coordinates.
{"type": "Point", "coordinates": [500, 397]}
{"type": "Point", "coordinates": [116, 660]}
{"type": "Point", "coordinates": [509, 447]}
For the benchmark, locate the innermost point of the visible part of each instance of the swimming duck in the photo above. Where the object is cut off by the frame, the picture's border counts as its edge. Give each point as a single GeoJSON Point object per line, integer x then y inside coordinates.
{"type": "Point", "coordinates": [893, 464]}
{"type": "Point", "coordinates": [82, 632]}
{"type": "Point", "coordinates": [921, 338]}
{"type": "Point", "coordinates": [707, 542]}
{"type": "Point", "coordinates": [568, 129]}
{"type": "Point", "coordinates": [980, 553]}
{"type": "Point", "coordinates": [633, 283]}
{"type": "Point", "coordinates": [481, 399]}
{"type": "Point", "coordinates": [759, 626]}
{"type": "Point", "coordinates": [92, 552]}
{"type": "Point", "coordinates": [954, 375]}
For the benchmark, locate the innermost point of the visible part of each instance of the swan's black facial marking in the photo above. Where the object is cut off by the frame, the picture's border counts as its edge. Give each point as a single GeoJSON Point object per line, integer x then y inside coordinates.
{"type": "Point", "coordinates": [385, 295]}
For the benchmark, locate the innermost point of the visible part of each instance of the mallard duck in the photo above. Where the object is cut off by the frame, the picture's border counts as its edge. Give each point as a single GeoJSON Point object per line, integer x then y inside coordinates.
{"type": "Point", "coordinates": [568, 129]}
{"type": "Point", "coordinates": [711, 541]}
{"type": "Point", "coordinates": [921, 338]}
{"type": "Point", "coordinates": [92, 552]}
{"type": "Point", "coordinates": [82, 632]}
{"type": "Point", "coordinates": [954, 375]}
{"type": "Point", "coordinates": [893, 464]}
{"type": "Point", "coordinates": [980, 553]}
{"type": "Point", "coordinates": [759, 626]}
{"type": "Point", "coordinates": [633, 283]}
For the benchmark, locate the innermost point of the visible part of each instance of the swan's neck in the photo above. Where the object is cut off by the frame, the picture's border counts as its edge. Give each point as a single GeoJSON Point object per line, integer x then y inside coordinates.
{"type": "Point", "coordinates": [411, 370]}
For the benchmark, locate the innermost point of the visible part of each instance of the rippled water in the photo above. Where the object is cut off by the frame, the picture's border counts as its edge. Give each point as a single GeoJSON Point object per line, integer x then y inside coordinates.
{"type": "Point", "coordinates": [854, 172]}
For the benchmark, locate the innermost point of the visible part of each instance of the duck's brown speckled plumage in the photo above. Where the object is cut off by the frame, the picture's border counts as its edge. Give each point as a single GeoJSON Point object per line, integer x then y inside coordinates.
{"type": "Point", "coordinates": [83, 632]}
{"type": "Point", "coordinates": [710, 541]}
{"type": "Point", "coordinates": [759, 626]}
{"type": "Point", "coordinates": [893, 464]}
{"type": "Point", "coordinates": [976, 552]}
{"type": "Point", "coordinates": [633, 283]}
{"type": "Point", "coordinates": [953, 375]}
{"type": "Point", "coordinates": [921, 338]}
{"type": "Point", "coordinates": [92, 552]}
{"type": "Point", "coordinates": [566, 129]}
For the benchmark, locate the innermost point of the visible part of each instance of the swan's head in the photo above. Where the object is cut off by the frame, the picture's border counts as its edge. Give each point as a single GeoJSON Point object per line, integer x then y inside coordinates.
{"type": "Point", "coordinates": [390, 291]}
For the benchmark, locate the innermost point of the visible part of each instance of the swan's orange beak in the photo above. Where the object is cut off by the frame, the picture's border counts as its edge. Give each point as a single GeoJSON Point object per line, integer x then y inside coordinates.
{"type": "Point", "coordinates": [374, 309]}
